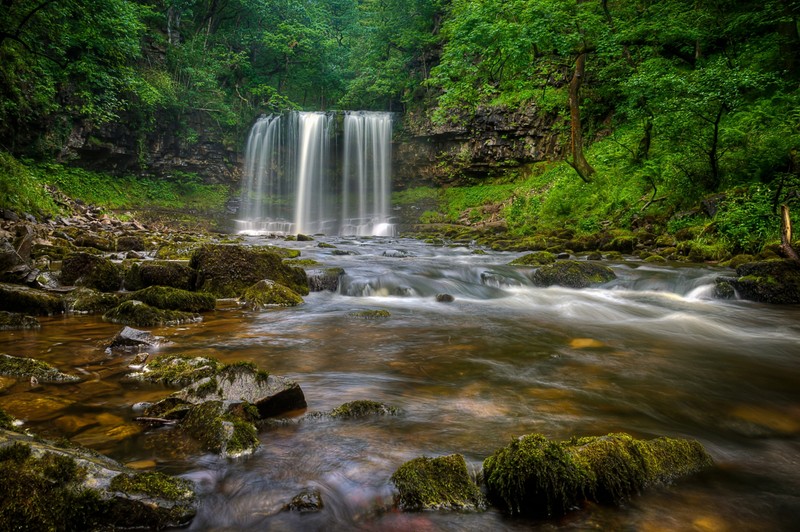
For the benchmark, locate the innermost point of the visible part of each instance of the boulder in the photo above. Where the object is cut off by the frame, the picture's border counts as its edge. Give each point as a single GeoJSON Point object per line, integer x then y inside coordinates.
{"type": "Point", "coordinates": [16, 298]}
{"type": "Point", "coordinates": [441, 483]}
{"type": "Point", "coordinates": [48, 487]}
{"type": "Point", "coordinates": [227, 270]}
{"type": "Point", "coordinates": [534, 259]}
{"type": "Point", "coordinates": [130, 243]}
{"type": "Point", "coordinates": [141, 314]}
{"type": "Point", "coordinates": [220, 430]}
{"type": "Point", "coordinates": [308, 500]}
{"type": "Point", "coordinates": [89, 301]}
{"type": "Point", "coordinates": [444, 298]}
{"type": "Point", "coordinates": [177, 370]}
{"type": "Point", "coordinates": [92, 271]}
{"type": "Point", "coordinates": [573, 274]}
{"type": "Point", "coordinates": [168, 298]}
{"type": "Point", "coordinates": [773, 281]}
{"type": "Point", "coordinates": [369, 314]}
{"type": "Point", "coordinates": [327, 279]}
{"type": "Point", "coordinates": [539, 477]}
{"type": "Point", "coordinates": [363, 408]}
{"type": "Point", "coordinates": [158, 273]}
{"type": "Point", "coordinates": [10, 321]}
{"type": "Point", "coordinates": [31, 368]}
{"type": "Point", "coordinates": [133, 339]}
{"type": "Point", "coordinates": [266, 293]}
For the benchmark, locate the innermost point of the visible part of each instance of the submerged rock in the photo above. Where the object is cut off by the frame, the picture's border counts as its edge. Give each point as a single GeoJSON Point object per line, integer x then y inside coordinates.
{"type": "Point", "coordinates": [227, 270]}
{"type": "Point", "coordinates": [308, 500]}
{"type": "Point", "coordinates": [140, 314]}
{"type": "Point", "coordinates": [17, 298]}
{"type": "Point", "coordinates": [363, 408]}
{"type": "Point", "coordinates": [573, 274]}
{"type": "Point", "coordinates": [10, 321]}
{"type": "Point", "coordinates": [48, 487]}
{"type": "Point", "coordinates": [31, 368]}
{"type": "Point", "coordinates": [774, 281]}
{"type": "Point", "coordinates": [441, 483]}
{"type": "Point", "coordinates": [540, 477]}
{"type": "Point", "coordinates": [91, 271]}
{"type": "Point", "coordinates": [370, 314]}
{"type": "Point", "coordinates": [131, 339]}
{"type": "Point", "coordinates": [168, 298]}
{"type": "Point", "coordinates": [266, 293]}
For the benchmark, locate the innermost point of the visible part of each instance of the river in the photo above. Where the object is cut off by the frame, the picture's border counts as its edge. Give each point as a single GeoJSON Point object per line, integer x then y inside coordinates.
{"type": "Point", "coordinates": [650, 354]}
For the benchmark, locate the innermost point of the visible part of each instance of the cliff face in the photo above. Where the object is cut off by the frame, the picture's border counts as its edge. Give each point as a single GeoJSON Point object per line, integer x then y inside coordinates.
{"type": "Point", "coordinates": [484, 144]}
{"type": "Point", "coordinates": [117, 148]}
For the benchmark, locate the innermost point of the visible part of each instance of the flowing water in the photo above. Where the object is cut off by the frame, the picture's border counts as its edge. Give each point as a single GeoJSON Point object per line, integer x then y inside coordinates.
{"type": "Point", "coordinates": [650, 354]}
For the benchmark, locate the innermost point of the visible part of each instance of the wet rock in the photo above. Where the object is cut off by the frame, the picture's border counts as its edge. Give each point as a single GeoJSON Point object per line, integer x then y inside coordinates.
{"type": "Point", "coordinates": [141, 314]}
{"type": "Point", "coordinates": [441, 483]}
{"type": "Point", "coordinates": [370, 314]}
{"type": "Point", "coordinates": [158, 273]}
{"type": "Point", "coordinates": [308, 500]}
{"type": "Point", "coordinates": [6, 421]}
{"type": "Point", "coordinates": [10, 321]}
{"type": "Point", "coordinates": [267, 293]}
{"type": "Point", "coordinates": [363, 408]}
{"type": "Point", "coordinates": [176, 370]}
{"type": "Point", "coordinates": [167, 298]}
{"type": "Point", "coordinates": [444, 298]}
{"type": "Point", "coordinates": [219, 430]}
{"type": "Point", "coordinates": [774, 281]}
{"type": "Point", "coordinates": [539, 477]}
{"type": "Point", "coordinates": [227, 270]}
{"type": "Point", "coordinates": [9, 257]}
{"type": "Point", "coordinates": [594, 255]}
{"type": "Point", "coordinates": [17, 298]}
{"type": "Point", "coordinates": [534, 259]}
{"type": "Point", "coordinates": [573, 274]}
{"type": "Point", "coordinates": [29, 367]}
{"type": "Point", "coordinates": [35, 407]}
{"type": "Point", "coordinates": [89, 301]}
{"type": "Point", "coordinates": [327, 279]}
{"type": "Point", "coordinates": [305, 238]}
{"type": "Point", "coordinates": [89, 240]}
{"type": "Point", "coordinates": [343, 252]}
{"type": "Point", "coordinates": [723, 288]}
{"type": "Point", "coordinates": [132, 339]}
{"type": "Point", "coordinates": [91, 271]}
{"type": "Point", "coordinates": [130, 243]}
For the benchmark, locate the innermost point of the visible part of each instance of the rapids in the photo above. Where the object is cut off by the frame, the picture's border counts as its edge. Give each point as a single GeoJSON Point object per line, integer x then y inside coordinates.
{"type": "Point", "coordinates": [650, 354]}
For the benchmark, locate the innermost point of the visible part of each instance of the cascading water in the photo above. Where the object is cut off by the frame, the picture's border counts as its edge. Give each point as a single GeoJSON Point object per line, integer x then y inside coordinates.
{"type": "Point", "coordinates": [367, 173]}
{"type": "Point", "coordinates": [290, 180]}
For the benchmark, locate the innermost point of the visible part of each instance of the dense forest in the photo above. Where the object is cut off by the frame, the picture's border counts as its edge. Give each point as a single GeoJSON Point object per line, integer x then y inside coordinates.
{"type": "Point", "coordinates": [657, 104]}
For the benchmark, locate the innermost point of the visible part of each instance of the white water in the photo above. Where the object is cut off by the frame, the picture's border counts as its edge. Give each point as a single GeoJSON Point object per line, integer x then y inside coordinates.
{"type": "Point", "coordinates": [293, 184]}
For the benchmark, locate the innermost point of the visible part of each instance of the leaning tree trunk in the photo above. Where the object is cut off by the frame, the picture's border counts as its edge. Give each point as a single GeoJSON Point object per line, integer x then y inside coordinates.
{"type": "Point", "coordinates": [579, 162]}
{"type": "Point", "coordinates": [786, 235]}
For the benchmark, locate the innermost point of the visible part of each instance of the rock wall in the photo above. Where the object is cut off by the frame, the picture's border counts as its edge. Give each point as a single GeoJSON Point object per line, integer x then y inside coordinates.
{"type": "Point", "coordinates": [492, 140]}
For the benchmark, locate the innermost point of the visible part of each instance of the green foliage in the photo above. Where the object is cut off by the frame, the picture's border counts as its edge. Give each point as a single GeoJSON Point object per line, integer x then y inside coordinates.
{"type": "Point", "coordinates": [746, 219]}
{"type": "Point", "coordinates": [21, 191]}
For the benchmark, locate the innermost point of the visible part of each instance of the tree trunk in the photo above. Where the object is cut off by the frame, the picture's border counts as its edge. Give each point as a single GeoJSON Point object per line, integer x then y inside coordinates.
{"type": "Point", "coordinates": [786, 235]}
{"type": "Point", "coordinates": [579, 162]}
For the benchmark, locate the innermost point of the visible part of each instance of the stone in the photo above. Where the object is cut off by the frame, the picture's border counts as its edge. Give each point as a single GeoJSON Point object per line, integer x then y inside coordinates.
{"type": "Point", "coordinates": [177, 370]}
{"type": "Point", "coordinates": [266, 293]}
{"type": "Point", "coordinates": [539, 477]}
{"type": "Point", "coordinates": [227, 270]}
{"type": "Point", "coordinates": [167, 298]}
{"type": "Point", "coordinates": [134, 339]}
{"type": "Point", "coordinates": [773, 281]}
{"type": "Point", "coordinates": [363, 408]}
{"type": "Point", "coordinates": [327, 279]}
{"type": "Point", "coordinates": [10, 321]}
{"type": "Point", "coordinates": [130, 243]}
{"type": "Point", "coordinates": [89, 301]}
{"type": "Point", "coordinates": [91, 271]}
{"type": "Point", "coordinates": [140, 314]}
{"type": "Point", "coordinates": [441, 483]}
{"type": "Point", "coordinates": [158, 273]}
{"type": "Point", "coordinates": [573, 274]}
{"type": "Point", "coordinates": [220, 430]}
{"type": "Point", "coordinates": [444, 298]}
{"type": "Point", "coordinates": [29, 367]}
{"type": "Point", "coordinates": [16, 298]}
{"type": "Point", "coordinates": [534, 259]}
{"type": "Point", "coordinates": [308, 500]}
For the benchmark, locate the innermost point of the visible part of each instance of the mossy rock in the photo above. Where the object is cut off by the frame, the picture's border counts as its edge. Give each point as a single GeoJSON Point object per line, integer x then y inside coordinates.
{"type": "Point", "coordinates": [363, 408]}
{"type": "Point", "coordinates": [327, 279]}
{"type": "Point", "coordinates": [10, 321]}
{"type": "Point", "coordinates": [49, 487]}
{"type": "Point", "coordinates": [266, 293]}
{"type": "Point", "coordinates": [655, 258]}
{"type": "Point", "coordinates": [130, 243]}
{"type": "Point", "coordinates": [774, 281]}
{"type": "Point", "coordinates": [178, 370]}
{"type": "Point", "coordinates": [723, 288]}
{"type": "Point", "coordinates": [540, 477]}
{"type": "Point", "coordinates": [534, 259]}
{"type": "Point", "coordinates": [303, 263]}
{"type": "Point", "coordinates": [308, 500]}
{"type": "Point", "coordinates": [573, 274]}
{"type": "Point", "coordinates": [370, 314]}
{"type": "Point", "coordinates": [158, 273]}
{"type": "Point", "coordinates": [177, 250]}
{"type": "Point", "coordinates": [29, 367]}
{"type": "Point", "coordinates": [168, 298]}
{"type": "Point", "coordinates": [219, 431]}
{"type": "Point", "coordinates": [6, 421]}
{"type": "Point", "coordinates": [52, 251]}
{"type": "Point", "coordinates": [89, 301]}
{"type": "Point", "coordinates": [91, 271]}
{"type": "Point", "coordinates": [18, 298]}
{"type": "Point", "coordinates": [227, 270]}
{"type": "Point", "coordinates": [88, 240]}
{"type": "Point", "coordinates": [441, 483]}
{"type": "Point", "coordinates": [738, 260]}
{"type": "Point", "coordinates": [141, 314]}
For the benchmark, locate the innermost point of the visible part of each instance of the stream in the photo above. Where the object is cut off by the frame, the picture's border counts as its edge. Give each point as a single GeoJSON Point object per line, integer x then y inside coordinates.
{"type": "Point", "coordinates": [650, 354]}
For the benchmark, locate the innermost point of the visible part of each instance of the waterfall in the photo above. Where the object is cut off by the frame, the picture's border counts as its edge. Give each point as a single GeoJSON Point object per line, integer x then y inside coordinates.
{"type": "Point", "coordinates": [366, 173]}
{"type": "Point", "coordinates": [294, 181]}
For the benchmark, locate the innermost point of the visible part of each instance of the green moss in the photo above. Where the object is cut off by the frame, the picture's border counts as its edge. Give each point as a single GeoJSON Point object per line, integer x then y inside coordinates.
{"type": "Point", "coordinates": [177, 370]}
{"type": "Point", "coordinates": [167, 298]}
{"type": "Point", "coordinates": [534, 259]}
{"type": "Point", "coordinates": [573, 274]}
{"type": "Point", "coordinates": [153, 484]}
{"type": "Point", "coordinates": [28, 367]}
{"type": "Point", "coordinates": [362, 408]}
{"type": "Point", "coordinates": [6, 421]}
{"type": "Point", "coordinates": [17, 298]}
{"type": "Point", "coordinates": [267, 293]}
{"type": "Point", "coordinates": [207, 388]}
{"type": "Point", "coordinates": [655, 258]}
{"type": "Point", "coordinates": [14, 321]}
{"type": "Point", "coordinates": [141, 314]}
{"type": "Point", "coordinates": [84, 269]}
{"type": "Point", "coordinates": [177, 250]}
{"type": "Point", "coordinates": [325, 245]}
{"type": "Point", "coordinates": [89, 301]}
{"type": "Point", "coordinates": [537, 476]}
{"type": "Point", "coordinates": [301, 262]}
{"type": "Point", "coordinates": [157, 273]}
{"type": "Point", "coordinates": [218, 431]}
{"type": "Point", "coordinates": [437, 483]}
{"type": "Point", "coordinates": [370, 314]}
